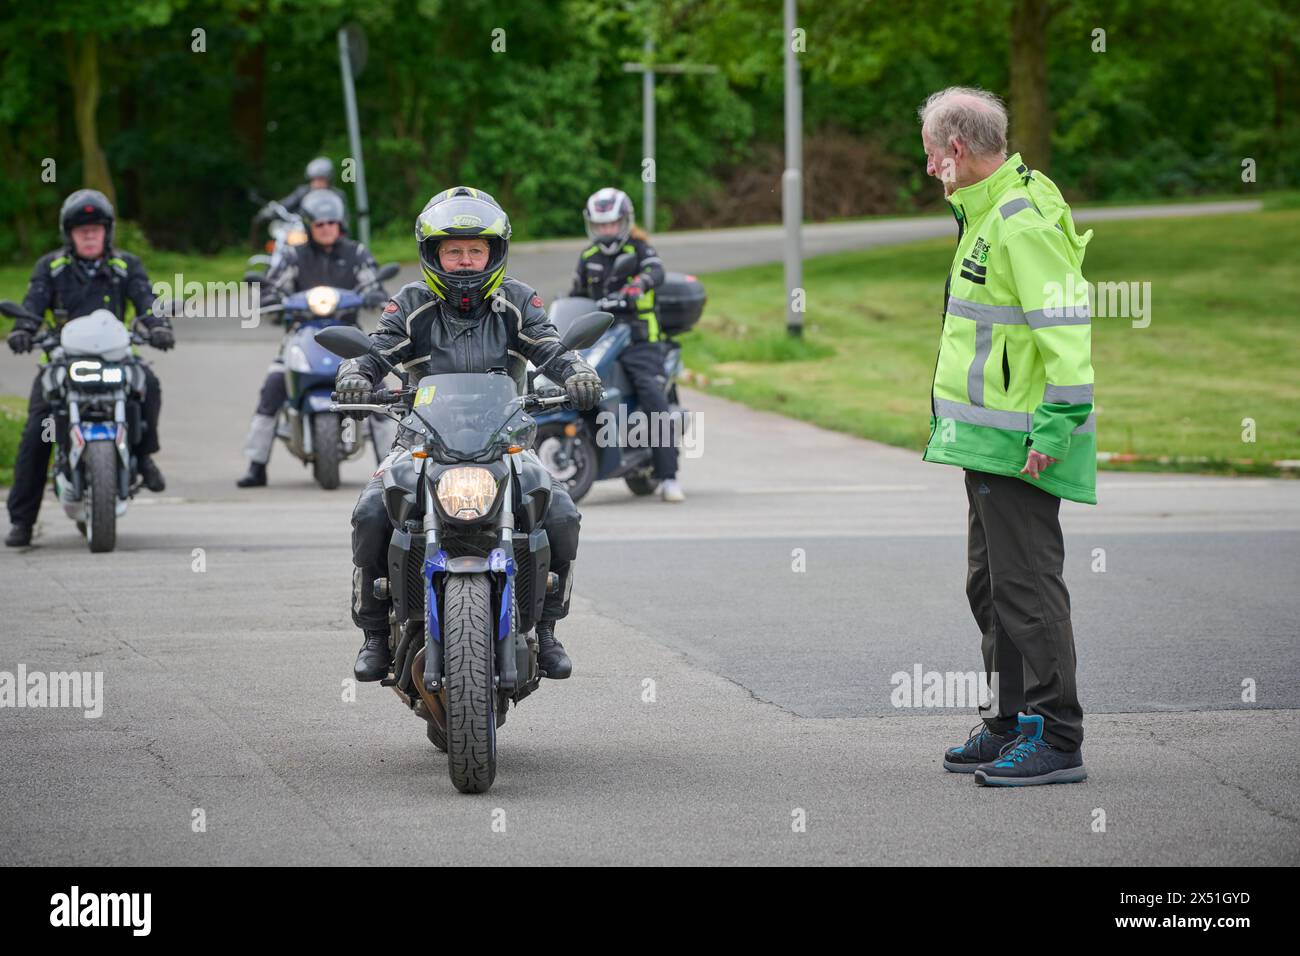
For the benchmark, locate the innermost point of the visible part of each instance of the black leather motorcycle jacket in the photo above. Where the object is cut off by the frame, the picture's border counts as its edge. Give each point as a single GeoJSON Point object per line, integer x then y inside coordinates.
{"type": "Point", "coordinates": [422, 336]}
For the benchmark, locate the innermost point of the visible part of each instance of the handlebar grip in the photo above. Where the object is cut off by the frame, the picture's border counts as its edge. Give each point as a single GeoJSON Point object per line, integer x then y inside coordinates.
{"type": "Point", "coordinates": [378, 396]}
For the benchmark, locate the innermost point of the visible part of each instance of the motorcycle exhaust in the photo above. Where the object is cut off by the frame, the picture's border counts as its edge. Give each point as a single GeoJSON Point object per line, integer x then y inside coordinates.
{"type": "Point", "coordinates": [431, 701]}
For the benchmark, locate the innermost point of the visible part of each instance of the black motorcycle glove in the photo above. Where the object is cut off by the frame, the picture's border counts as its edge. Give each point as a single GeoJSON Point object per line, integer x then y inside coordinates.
{"type": "Point", "coordinates": [583, 386]}
{"type": "Point", "coordinates": [20, 340]}
{"type": "Point", "coordinates": [162, 338]}
{"type": "Point", "coordinates": [353, 388]}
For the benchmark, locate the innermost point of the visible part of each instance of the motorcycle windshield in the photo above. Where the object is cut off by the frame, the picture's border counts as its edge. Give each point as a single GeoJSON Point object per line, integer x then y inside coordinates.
{"type": "Point", "coordinates": [465, 411]}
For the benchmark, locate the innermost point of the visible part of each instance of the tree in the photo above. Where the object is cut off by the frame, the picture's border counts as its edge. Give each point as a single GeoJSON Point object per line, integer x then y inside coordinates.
{"type": "Point", "coordinates": [81, 54]}
{"type": "Point", "coordinates": [1031, 118]}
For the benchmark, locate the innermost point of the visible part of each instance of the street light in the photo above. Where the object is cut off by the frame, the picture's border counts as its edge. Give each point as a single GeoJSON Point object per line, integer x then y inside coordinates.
{"type": "Point", "coordinates": [792, 182]}
{"type": "Point", "coordinates": [648, 69]}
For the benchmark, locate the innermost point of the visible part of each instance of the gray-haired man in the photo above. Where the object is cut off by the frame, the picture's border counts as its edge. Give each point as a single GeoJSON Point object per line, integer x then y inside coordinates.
{"type": "Point", "coordinates": [1012, 404]}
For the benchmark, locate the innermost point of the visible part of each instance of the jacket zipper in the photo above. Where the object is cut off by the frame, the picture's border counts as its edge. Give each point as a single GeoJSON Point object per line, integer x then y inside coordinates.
{"type": "Point", "coordinates": [943, 321]}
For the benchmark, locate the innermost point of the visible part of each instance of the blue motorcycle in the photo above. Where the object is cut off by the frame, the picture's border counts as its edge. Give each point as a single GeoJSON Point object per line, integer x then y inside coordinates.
{"type": "Point", "coordinates": [581, 448]}
{"type": "Point", "coordinates": [312, 433]}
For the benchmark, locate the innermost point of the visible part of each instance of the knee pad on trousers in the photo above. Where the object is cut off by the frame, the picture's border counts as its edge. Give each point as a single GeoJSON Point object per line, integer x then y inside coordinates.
{"type": "Point", "coordinates": [371, 528]}
{"type": "Point", "coordinates": [273, 392]}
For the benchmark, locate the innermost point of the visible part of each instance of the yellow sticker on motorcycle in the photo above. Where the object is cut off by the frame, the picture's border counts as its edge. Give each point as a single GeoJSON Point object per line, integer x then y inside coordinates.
{"type": "Point", "coordinates": [424, 395]}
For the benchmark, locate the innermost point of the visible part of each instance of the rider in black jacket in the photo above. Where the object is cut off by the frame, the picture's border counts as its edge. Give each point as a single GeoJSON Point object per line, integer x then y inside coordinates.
{"type": "Point", "coordinates": [611, 227]}
{"type": "Point", "coordinates": [86, 274]}
{"type": "Point", "coordinates": [327, 258]}
{"type": "Point", "coordinates": [319, 174]}
{"type": "Point", "coordinates": [467, 316]}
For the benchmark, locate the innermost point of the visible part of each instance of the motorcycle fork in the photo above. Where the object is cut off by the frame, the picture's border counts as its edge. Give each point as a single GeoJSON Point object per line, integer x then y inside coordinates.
{"type": "Point", "coordinates": [503, 646]}
{"type": "Point", "coordinates": [503, 651]}
{"type": "Point", "coordinates": [433, 662]}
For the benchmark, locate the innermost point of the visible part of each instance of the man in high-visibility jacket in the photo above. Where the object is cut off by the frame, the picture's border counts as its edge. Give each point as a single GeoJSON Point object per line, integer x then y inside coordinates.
{"type": "Point", "coordinates": [1012, 404]}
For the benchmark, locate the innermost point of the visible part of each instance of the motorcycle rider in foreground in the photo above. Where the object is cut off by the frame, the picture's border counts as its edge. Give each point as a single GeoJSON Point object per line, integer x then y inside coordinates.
{"type": "Point", "coordinates": [86, 274]}
{"type": "Point", "coordinates": [466, 316]}
{"type": "Point", "coordinates": [327, 258]}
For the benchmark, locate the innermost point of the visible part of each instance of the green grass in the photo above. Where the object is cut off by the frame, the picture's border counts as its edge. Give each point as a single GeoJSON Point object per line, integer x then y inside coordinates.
{"type": "Point", "coordinates": [1221, 346]}
{"type": "Point", "coordinates": [13, 412]}
{"type": "Point", "coordinates": [1223, 343]}
{"type": "Point", "coordinates": [226, 266]}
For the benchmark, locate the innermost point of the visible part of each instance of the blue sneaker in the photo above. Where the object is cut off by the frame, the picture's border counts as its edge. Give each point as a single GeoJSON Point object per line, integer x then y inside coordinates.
{"type": "Point", "coordinates": [1029, 760]}
{"type": "Point", "coordinates": [980, 747]}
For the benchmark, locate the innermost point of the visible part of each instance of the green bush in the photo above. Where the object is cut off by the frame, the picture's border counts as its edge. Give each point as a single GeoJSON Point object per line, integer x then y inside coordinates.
{"type": "Point", "coordinates": [13, 412]}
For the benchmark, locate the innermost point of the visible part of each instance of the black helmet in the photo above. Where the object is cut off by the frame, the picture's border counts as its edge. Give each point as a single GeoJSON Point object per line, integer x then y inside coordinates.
{"type": "Point", "coordinates": [464, 213]}
{"type": "Point", "coordinates": [320, 168]}
{"type": "Point", "coordinates": [87, 207]}
{"type": "Point", "coordinates": [321, 205]}
{"type": "Point", "coordinates": [608, 205]}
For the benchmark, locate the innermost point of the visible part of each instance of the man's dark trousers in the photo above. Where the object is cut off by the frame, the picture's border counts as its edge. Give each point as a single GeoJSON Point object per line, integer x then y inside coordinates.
{"type": "Point", "coordinates": [1015, 554]}
{"type": "Point", "coordinates": [644, 364]}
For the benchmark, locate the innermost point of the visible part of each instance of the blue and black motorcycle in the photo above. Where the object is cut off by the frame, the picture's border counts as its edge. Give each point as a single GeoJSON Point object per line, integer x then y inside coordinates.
{"type": "Point", "coordinates": [581, 448]}
{"type": "Point", "coordinates": [312, 433]}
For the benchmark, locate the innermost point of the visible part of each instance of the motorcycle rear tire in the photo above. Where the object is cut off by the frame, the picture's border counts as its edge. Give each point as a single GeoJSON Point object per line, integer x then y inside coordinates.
{"type": "Point", "coordinates": [435, 735]}
{"type": "Point", "coordinates": [326, 449]}
{"type": "Point", "coordinates": [642, 484]}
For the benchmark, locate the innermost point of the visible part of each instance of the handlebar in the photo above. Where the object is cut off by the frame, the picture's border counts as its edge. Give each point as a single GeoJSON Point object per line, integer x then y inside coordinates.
{"type": "Point", "coordinates": [47, 341]}
{"type": "Point", "coordinates": [382, 399]}
{"type": "Point", "coordinates": [546, 397]}
{"type": "Point", "coordinates": [362, 289]}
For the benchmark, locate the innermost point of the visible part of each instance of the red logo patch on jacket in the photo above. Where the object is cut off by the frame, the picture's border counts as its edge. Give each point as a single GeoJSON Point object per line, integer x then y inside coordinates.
{"type": "Point", "coordinates": [536, 300]}
{"type": "Point", "coordinates": [391, 307]}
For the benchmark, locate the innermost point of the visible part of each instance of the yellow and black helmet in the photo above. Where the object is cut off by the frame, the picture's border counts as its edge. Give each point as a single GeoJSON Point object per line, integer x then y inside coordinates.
{"type": "Point", "coordinates": [460, 213]}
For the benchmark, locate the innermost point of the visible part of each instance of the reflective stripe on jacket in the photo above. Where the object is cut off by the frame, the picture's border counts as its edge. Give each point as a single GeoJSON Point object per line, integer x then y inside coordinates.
{"type": "Point", "coordinates": [1015, 357]}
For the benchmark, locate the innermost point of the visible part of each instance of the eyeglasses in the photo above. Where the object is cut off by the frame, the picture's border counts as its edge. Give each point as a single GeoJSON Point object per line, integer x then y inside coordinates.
{"type": "Point", "coordinates": [325, 222]}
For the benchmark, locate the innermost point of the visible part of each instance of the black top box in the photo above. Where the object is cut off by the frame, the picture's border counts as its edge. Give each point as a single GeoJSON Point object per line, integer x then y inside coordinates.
{"type": "Point", "coordinates": [679, 302]}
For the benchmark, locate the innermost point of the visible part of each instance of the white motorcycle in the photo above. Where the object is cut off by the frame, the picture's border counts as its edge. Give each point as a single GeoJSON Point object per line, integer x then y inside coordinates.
{"type": "Point", "coordinates": [285, 229]}
{"type": "Point", "coordinates": [96, 386]}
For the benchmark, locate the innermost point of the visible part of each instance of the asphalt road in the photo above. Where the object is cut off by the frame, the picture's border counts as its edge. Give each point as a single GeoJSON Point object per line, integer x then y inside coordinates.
{"type": "Point", "coordinates": [221, 628]}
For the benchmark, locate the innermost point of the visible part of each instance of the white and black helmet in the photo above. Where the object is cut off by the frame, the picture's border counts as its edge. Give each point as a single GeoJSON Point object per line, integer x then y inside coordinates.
{"type": "Point", "coordinates": [320, 168]}
{"type": "Point", "coordinates": [603, 207]}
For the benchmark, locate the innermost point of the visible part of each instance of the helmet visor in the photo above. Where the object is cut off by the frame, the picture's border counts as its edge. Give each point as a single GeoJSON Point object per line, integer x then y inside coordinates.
{"type": "Point", "coordinates": [462, 216]}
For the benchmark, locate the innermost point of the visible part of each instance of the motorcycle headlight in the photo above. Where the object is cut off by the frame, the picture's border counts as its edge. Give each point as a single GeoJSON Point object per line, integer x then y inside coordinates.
{"type": "Point", "coordinates": [466, 493]}
{"type": "Point", "coordinates": [296, 237]}
{"type": "Point", "coordinates": [322, 299]}
{"type": "Point", "coordinates": [85, 370]}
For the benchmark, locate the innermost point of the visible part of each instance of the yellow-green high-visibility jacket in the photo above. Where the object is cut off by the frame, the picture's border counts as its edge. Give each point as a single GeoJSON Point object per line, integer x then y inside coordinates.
{"type": "Point", "coordinates": [1015, 357]}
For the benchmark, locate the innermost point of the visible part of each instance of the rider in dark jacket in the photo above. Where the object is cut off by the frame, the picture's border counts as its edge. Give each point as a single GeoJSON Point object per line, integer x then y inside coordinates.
{"type": "Point", "coordinates": [319, 174]}
{"type": "Point", "coordinates": [327, 258]}
{"type": "Point", "coordinates": [86, 274]}
{"type": "Point", "coordinates": [467, 316]}
{"type": "Point", "coordinates": [611, 227]}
